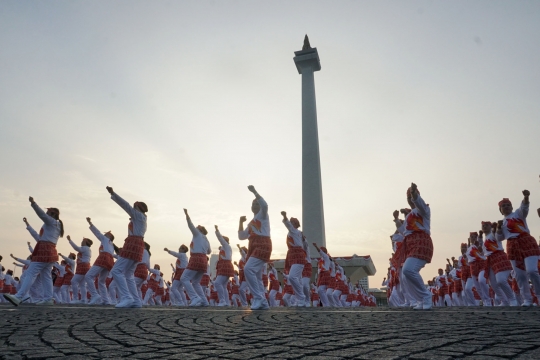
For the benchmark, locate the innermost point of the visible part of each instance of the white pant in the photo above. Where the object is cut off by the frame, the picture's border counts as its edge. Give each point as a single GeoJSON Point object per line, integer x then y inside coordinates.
{"type": "Point", "coordinates": [469, 299]}
{"type": "Point", "coordinates": [36, 290]}
{"type": "Point", "coordinates": [306, 286]}
{"type": "Point", "coordinates": [35, 269]}
{"type": "Point", "coordinates": [272, 297]}
{"type": "Point", "coordinates": [101, 273]}
{"type": "Point", "coordinates": [502, 289]}
{"type": "Point", "coordinates": [321, 290]}
{"type": "Point", "coordinates": [177, 290]}
{"type": "Point", "coordinates": [336, 294]}
{"type": "Point", "coordinates": [236, 299]}
{"type": "Point", "coordinates": [330, 297]}
{"type": "Point", "coordinates": [76, 282]}
{"type": "Point", "coordinates": [483, 288]}
{"type": "Point", "coordinates": [191, 280]}
{"type": "Point", "coordinates": [64, 290]}
{"type": "Point", "coordinates": [295, 279]}
{"type": "Point", "coordinates": [415, 283]}
{"type": "Point", "coordinates": [242, 293]}
{"type": "Point", "coordinates": [122, 273]}
{"type": "Point", "coordinates": [253, 273]}
{"type": "Point", "coordinates": [112, 292]}
{"type": "Point", "coordinates": [221, 286]}
{"type": "Point", "coordinates": [523, 282]}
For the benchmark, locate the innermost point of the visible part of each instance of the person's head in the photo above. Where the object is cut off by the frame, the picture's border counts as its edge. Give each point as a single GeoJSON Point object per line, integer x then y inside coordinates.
{"type": "Point", "coordinates": [183, 249]}
{"type": "Point", "coordinates": [16, 278]}
{"type": "Point", "coordinates": [295, 222]}
{"type": "Point", "coordinates": [109, 235]}
{"type": "Point", "coordinates": [72, 256]}
{"type": "Point", "coordinates": [324, 249]}
{"type": "Point", "coordinates": [255, 206]}
{"type": "Point", "coordinates": [409, 198]}
{"type": "Point", "coordinates": [86, 242]}
{"type": "Point", "coordinates": [463, 248]}
{"type": "Point", "coordinates": [505, 206]}
{"type": "Point", "coordinates": [63, 262]}
{"type": "Point", "coordinates": [9, 272]}
{"type": "Point", "coordinates": [157, 267]}
{"type": "Point", "coordinates": [227, 239]}
{"type": "Point", "coordinates": [486, 227]}
{"type": "Point", "coordinates": [55, 214]}
{"type": "Point", "coordinates": [3, 269]}
{"type": "Point", "coordinates": [29, 257]}
{"type": "Point", "coordinates": [1, 257]}
{"type": "Point", "coordinates": [202, 229]}
{"type": "Point", "coordinates": [139, 205]}
{"type": "Point", "coordinates": [147, 247]}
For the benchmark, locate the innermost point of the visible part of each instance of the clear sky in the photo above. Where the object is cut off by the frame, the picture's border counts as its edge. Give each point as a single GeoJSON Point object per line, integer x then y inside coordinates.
{"type": "Point", "coordinates": [184, 104]}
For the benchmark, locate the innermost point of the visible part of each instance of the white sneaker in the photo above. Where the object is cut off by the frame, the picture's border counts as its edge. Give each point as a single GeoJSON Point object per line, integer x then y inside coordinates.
{"type": "Point", "coordinates": [136, 304]}
{"type": "Point", "coordinates": [255, 305]}
{"type": "Point", "coordinates": [45, 302]}
{"type": "Point", "coordinates": [96, 300]}
{"type": "Point", "coordinates": [12, 299]}
{"type": "Point", "coordinates": [222, 304]}
{"type": "Point", "coordinates": [196, 302]}
{"type": "Point", "coordinates": [125, 303]}
{"type": "Point", "coordinates": [526, 303]}
{"type": "Point", "coordinates": [264, 305]}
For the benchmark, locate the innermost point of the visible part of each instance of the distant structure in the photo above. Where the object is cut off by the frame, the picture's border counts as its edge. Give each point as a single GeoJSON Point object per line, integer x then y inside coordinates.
{"type": "Point", "coordinates": [307, 62]}
{"type": "Point", "coordinates": [364, 282]}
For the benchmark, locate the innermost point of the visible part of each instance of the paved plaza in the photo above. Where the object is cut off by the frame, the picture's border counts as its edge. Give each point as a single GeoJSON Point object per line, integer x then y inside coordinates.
{"type": "Point", "coordinates": [75, 332]}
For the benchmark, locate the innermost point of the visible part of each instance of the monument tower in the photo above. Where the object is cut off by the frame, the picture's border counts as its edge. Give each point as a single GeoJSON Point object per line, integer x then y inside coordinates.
{"type": "Point", "coordinates": [307, 62]}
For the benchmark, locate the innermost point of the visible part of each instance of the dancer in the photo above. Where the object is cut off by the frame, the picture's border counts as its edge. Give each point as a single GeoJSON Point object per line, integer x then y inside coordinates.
{"type": "Point", "coordinates": [498, 266]}
{"type": "Point", "coordinates": [224, 270]}
{"type": "Point", "coordinates": [324, 278]}
{"type": "Point", "coordinates": [521, 247]}
{"type": "Point", "coordinates": [84, 254]}
{"type": "Point", "coordinates": [259, 248]}
{"type": "Point", "coordinates": [101, 268]}
{"type": "Point", "coordinates": [43, 257]}
{"type": "Point", "coordinates": [419, 246]}
{"type": "Point", "coordinates": [296, 257]}
{"type": "Point", "coordinates": [177, 289]}
{"type": "Point", "coordinates": [198, 264]}
{"type": "Point", "coordinates": [131, 254]}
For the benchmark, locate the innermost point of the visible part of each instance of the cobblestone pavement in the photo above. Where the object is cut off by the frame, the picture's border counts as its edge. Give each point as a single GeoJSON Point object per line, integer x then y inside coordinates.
{"type": "Point", "coordinates": [75, 332]}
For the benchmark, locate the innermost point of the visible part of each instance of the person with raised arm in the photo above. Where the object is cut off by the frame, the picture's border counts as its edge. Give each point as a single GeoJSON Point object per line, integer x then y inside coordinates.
{"type": "Point", "coordinates": [259, 248]}
{"type": "Point", "coordinates": [132, 252]}
{"type": "Point", "coordinates": [324, 277]}
{"type": "Point", "coordinates": [101, 268]}
{"type": "Point", "coordinates": [418, 246]}
{"type": "Point", "coordinates": [498, 267]}
{"type": "Point", "coordinates": [43, 257]}
{"type": "Point", "coordinates": [84, 254]}
{"type": "Point", "coordinates": [296, 257]}
{"type": "Point", "coordinates": [306, 273]}
{"type": "Point", "coordinates": [224, 270]}
{"type": "Point", "coordinates": [177, 289]}
{"type": "Point", "coordinates": [197, 265]}
{"type": "Point", "coordinates": [69, 273]}
{"type": "Point", "coordinates": [521, 247]}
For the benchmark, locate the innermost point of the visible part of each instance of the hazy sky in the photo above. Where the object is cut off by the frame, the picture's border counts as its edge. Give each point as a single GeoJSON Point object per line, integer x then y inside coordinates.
{"type": "Point", "coordinates": [184, 104]}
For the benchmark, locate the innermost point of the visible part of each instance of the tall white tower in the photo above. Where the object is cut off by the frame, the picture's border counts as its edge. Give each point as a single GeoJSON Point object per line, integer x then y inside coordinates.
{"type": "Point", "coordinates": [307, 62]}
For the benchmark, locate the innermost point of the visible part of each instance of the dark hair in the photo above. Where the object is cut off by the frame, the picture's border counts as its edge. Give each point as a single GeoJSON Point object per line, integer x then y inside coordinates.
{"type": "Point", "coordinates": [3, 268]}
{"type": "Point", "coordinates": [89, 242]}
{"type": "Point", "coordinates": [9, 272]}
{"type": "Point", "coordinates": [147, 247]}
{"type": "Point", "coordinates": [116, 249]}
{"type": "Point", "coordinates": [61, 228]}
{"type": "Point", "coordinates": [1, 257]}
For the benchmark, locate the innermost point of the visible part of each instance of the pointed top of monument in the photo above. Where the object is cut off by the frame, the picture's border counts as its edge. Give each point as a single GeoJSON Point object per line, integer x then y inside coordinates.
{"type": "Point", "coordinates": [306, 46]}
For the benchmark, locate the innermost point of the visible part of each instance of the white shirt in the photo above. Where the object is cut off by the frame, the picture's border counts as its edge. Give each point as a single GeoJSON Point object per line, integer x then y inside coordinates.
{"type": "Point", "coordinates": [259, 225]}
{"type": "Point", "coordinates": [50, 231]}
{"type": "Point", "coordinates": [181, 259]}
{"type": "Point", "coordinates": [515, 224]}
{"type": "Point", "coordinates": [146, 258]}
{"type": "Point", "coordinates": [294, 236]}
{"type": "Point", "coordinates": [199, 242]}
{"type": "Point", "coordinates": [324, 263]}
{"type": "Point", "coordinates": [105, 241]}
{"type": "Point", "coordinates": [137, 225]}
{"type": "Point", "coordinates": [491, 245]}
{"type": "Point", "coordinates": [225, 247]}
{"type": "Point", "coordinates": [417, 220]}
{"type": "Point", "coordinates": [86, 253]}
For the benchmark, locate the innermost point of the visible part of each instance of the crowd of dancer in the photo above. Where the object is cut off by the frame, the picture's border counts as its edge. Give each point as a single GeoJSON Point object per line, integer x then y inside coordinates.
{"type": "Point", "coordinates": [125, 278]}
{"type": "Point", "coordinates": [484, 274]}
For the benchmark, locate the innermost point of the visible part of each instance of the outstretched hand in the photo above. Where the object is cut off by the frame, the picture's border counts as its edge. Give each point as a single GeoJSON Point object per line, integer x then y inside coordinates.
{"type": "Point", "coordinates": [396, 214]}
{"type": "Point", "coordinates": [243, 219]}
{"type": "Point", "coordinates": [69, 238]}
{"type": "Point", "coordinates": [526, 193]}
{"type": "Point", "coordinates": [31, 199]}
{"type": "Point", "coordinates": [109, 189]}
{"type": "Point", "coordinates": [216, 227]}
{"type": "Point", "coordinates": [89, 220]}
{"type": "Point", "coordinates": [251, 188]}
{"type": "Point", "coordinates": [25, 221]}
{"type": "Point", "coordinates": [166, 249]}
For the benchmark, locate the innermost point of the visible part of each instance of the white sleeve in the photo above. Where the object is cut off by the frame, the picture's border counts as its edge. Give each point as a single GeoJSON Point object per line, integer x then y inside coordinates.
{"type": "Point", "coordinates": [33, 232]}
{"type": "Point", "coordinates": [123, 204]}
{"type": "Point", "coordinates": [220, 238]}
{"type": "Point", "coordinates": [75, 247]}
{"type": "Point", "coordinates": [523, 210]}
{"type": "Point", "coordinates": [423, 209]}
{"type": "Point", "coordinates": [42, 215]}
{"type": "Point", "coordinates": [288, 225]}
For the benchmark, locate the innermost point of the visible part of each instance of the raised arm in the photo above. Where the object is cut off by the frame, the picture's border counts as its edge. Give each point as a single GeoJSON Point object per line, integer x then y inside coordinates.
{"type": "Point", "coordinates": [173, 253]}
{"type": "Point", "coordinates": [73, 245]}
{"type": "Point", "coordinates": [121, 202]}
{"type": "Point", "coordinates": [287, 222]}
{"type": "Point", "coordinates": [31, 230]}
{"type": "Point", "coordinates": [242, 234]}
{"type": "Point", "coordinates": [262, 202]}
{"type": "Point", "coordinates": [191, 227]}
{"type": "Point", "coordinates": [98, 234]}
{"type": "Point", "coordinates": [524, 207]}
{"type": "Point", "coordinates": [423, 209]}
{"type": "Point", "coordinates": [220, 238]}
{"type": "Point", "coordinates": [41, 214]}
{"type": "Point", "coordinates": [30, 248]}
